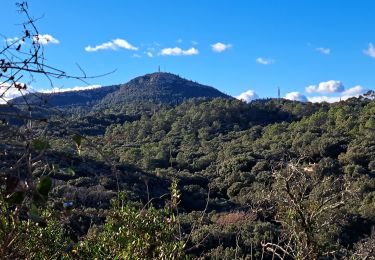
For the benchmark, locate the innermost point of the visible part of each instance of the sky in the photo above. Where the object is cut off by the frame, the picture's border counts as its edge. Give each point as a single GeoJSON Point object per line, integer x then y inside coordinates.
{"type": "Point", "coordinates": [313, 50]}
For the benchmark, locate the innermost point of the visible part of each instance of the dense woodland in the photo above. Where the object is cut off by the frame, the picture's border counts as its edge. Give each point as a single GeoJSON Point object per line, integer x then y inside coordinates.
{"type": "Point", "coordinates": [209, 178]}
{"type": "Point", "coordinates": [166, 168]}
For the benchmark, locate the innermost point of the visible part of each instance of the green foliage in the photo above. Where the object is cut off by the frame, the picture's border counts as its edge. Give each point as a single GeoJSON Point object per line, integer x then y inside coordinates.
{"type": "Point", "coordinates": [131, 233]}
{"type": "Point", "coordinates": [78, 142]}
{"type": "Point", "coordinates": [216, 160]}
{"type": "Point", "coordinates": [40, 144]}
{"type": "Point", "coordinates": [44, 185]}
{"type": "Point", "coordinates": [20, 239]}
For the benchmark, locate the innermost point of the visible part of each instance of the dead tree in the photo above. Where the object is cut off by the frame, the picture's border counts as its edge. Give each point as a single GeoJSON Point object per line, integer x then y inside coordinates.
{"type": "Point", "coordinates": [307, 205]}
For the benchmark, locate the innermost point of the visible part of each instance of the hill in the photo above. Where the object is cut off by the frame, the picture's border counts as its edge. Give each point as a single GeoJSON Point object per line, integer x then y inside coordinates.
{"type": "Point", "coordinates": [82, 98]}
{"type": "Point", "coordinates": [159, 88]}
{"type": "Point", "coordinates": [155, 88]}
{"type": "Point", "coordinates": [237, 170]}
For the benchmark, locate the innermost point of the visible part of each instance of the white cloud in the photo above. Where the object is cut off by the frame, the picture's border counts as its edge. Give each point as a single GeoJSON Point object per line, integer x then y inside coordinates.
{"type": "Point", "coordinates": [332, 99]}
{"type": "Point", "coordinates": [319, 99]}
{"type": "Point", "coordinates": [112, 45]}
{"type": "Point", "coordinates": [179, 41]}
{"type": "Point", "coordinates": [13, 40]}
{"type": "Point", "coordinates": [296, 96]}
{"type": "Point", "coordinates": [370, 51]}
{"type": "Point", "coordinates": [149, 54]}
{"type": "Point", "coordinates": [331, 86]}
{"type": "Point", "coordinates": [10, 40]}
{"type": "Point", "coordinates": [124, 44]}
{"type": "Point", "coordinates": [322, 50]}
{"type": "Point", "coordinates": [264, 61]}
{"type": "Point", "coordinates": [45, 39]}
{"type": "Point", "coordinates": [176, 51]}
{"type": "Point", "coordinates": [8, 92]}
{"type": "Point", "coordinates": [248, 96]}
{"type": "Point", "coordinates": [103, 46]}
{"type": "Point", "coordinates": [220, 47]}
{"type": "Point", "coordinates": [76, 88]}
{"type": "Point", "coordinates": [135, 55]}
{"type": "Point", "coordinates": [194, 42]}
{"type": "Point", "coordinates": [354, 91]}
{"type": "Point", "coordinates": [191, 51]}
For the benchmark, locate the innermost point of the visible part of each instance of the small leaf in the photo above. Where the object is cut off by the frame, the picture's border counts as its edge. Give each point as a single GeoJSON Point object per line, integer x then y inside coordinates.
{"type": "Point", "coordinates": [33, 209]}
{"type": "Point", "coordinates": [36, 218]}
{"type": "Point", "coordinates": [38, 144]}
{"type": "Point", "coordinates": [77, 139]}
{"type": "Point", "coordinates": [39, 199]}
{"type": "Point", "coordinates": [55, 168]}
{"type": "Point", "coordinates": [15, 197]}
{"type": "Point", "coordinates": [44, 185]}
{"type": "Point", "coordinates": [11, 184]}
{"type": "Point", "coordinates": [69, 171]}
{"type": "Point", "coordinates": [78, 142]}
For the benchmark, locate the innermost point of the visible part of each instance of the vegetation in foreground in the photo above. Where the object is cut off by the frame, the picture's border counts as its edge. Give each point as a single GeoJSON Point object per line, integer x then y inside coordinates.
{"type": "Point", "coordinates": [208, 178]}
{"type": "Point", "coordinates": [205, 179]}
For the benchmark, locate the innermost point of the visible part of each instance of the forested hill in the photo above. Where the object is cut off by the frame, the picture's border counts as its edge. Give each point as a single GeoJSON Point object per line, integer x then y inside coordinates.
{"type": "Point", "coordinates": [159, 88]}
{"type": "Point", "coordinates": [80, 98]}
{"type": "Point", "coordinates": [156, 88]}
{"type": "Point", "coordinates": [243, 177]}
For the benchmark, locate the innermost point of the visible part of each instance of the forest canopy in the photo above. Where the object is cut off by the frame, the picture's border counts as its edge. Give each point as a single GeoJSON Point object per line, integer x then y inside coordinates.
{"type": "Point", "coordinates": [198, 176]}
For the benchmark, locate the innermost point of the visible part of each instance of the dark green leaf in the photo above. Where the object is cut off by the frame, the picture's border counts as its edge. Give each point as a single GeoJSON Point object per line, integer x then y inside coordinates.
{"type": "Point", "coordinates": [15, 197]}
{"type": "Point", "coordinates": [44, 185]}
{"type": "Point", "coordinates": [69, 171]}
{"type": "Point", "coordinates": [38, 144]}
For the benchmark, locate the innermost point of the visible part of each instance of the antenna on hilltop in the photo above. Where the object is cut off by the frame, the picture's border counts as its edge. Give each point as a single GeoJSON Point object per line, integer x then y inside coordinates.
{"type": "Point", "coordinates": [278, 94]}
{"type": "Point", "coordinates": [159, 68]}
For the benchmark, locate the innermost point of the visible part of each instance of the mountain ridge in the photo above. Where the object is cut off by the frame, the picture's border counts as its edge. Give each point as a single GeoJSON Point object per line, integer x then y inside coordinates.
{"type": "Point", "coordinates": [158, 88]}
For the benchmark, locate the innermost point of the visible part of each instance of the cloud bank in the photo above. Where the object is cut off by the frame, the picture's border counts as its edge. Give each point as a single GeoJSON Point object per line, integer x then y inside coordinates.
{"type": "Point", "coordinates": [8, 92]}
{"type": "Point", "coordinates": [296, 96]}
{"type": "Point", "coordinates": [112, 45]}
{"type": "Point", "coordinates": [248, 96]}
{"type": "Point", "coordinates": [76, 88]}
{"type": "Point", "coordinates": [331, 86]}
{"type": "Point", "coordinates": [332, 91]}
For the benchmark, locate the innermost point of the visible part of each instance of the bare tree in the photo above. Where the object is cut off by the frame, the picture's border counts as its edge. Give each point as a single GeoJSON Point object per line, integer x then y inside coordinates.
{"type": "Point", "coordinates": [308, 207]}
{"type": "Point", "coordinates": [22, 59]}
{"type": "Point", "coordinates": [21, 148]}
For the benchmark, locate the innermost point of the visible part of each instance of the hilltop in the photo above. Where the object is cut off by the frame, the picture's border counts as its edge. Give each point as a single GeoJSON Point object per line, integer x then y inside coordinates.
{"type": "Point", "coordinates": [155, 88]}
{"type": "Point", "coordinates": [160, 87]}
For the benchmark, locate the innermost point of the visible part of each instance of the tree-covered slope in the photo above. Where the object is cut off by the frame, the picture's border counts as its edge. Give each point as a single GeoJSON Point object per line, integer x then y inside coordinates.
{"type": "Point", "coordinates": [252, 178]}
{"type": "Point", "coordinates": [158, 88]}
{"type": "Point", "coordinates": [83, 98]}
{"type": "Point", "coordinates": [149, 92]}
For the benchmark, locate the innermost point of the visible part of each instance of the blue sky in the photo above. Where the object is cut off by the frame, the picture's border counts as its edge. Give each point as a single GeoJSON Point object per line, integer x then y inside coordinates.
{"type": "Point", "coordinates": [312, 49]}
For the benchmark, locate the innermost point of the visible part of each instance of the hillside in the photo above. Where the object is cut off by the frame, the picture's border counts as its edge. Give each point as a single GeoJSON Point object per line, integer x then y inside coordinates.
{"type": "Point", "coordinates": [158, 88]}
{"type": "Point", "coordinates": [155, 88]}
{"type": "Point", "coordinates": [231, 165]}
{"type": "Point", "coordinates": [81, 98]}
